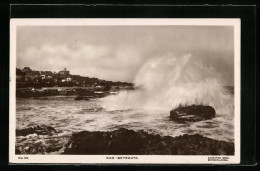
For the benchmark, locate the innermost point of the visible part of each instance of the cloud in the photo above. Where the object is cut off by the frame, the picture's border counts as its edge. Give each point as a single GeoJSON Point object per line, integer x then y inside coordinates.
{"type": "Point", "coordinates": [87, 60]}
{"type": "Point", "coordinates": [117, 53]}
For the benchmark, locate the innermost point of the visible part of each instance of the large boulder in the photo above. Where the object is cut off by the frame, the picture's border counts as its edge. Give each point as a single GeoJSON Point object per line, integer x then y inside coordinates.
{"type": "Point", "coordinates": [192, 113]}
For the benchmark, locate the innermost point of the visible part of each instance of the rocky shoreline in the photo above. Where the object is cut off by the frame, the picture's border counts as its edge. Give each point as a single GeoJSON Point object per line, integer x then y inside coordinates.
{"type": "Point", "coordinates": [129, 142]}
{"type": "Point", "coordinates": [90, 92]}
{"type": "Point", "coordinates": [122, 142]}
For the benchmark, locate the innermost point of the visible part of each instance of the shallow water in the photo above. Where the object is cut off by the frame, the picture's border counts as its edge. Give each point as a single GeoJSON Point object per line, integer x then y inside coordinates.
{"type": "Point", "coordinates": [67, 116]}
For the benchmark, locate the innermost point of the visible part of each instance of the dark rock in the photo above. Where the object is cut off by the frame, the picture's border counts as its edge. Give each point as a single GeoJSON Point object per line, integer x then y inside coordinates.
{"type": "Point", "coordinates": [48, 145]}
{"type": "Point", "coordinates": [17, 151]}
{"type": "Point", "coordinates": [81, 98]}
{"type": "Point", "coordinates": [52, 149]}
{"type": "Point", "coordinates": [34, 149]}
{"type": "Point", "coordinates": [128, 142]}
{"type": "Point", "coordinates": [192, 113]}
{"type": "Point", "coordinates": [84, 92]}
{"type": "Point", "coordinates": [107, 88]}
{"type": "Point", "coordinates": [39, 130]}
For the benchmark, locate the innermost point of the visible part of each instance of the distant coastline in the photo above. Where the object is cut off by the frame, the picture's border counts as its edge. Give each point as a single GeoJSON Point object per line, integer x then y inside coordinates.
{"type": "Point", "coordinates": [32, 83]}
{"type": "Point", "coordinates": [27, 77]}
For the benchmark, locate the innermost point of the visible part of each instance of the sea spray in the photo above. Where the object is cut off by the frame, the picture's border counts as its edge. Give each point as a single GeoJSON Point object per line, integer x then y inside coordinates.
{"type": "Point", "coordinates": [166, 82]}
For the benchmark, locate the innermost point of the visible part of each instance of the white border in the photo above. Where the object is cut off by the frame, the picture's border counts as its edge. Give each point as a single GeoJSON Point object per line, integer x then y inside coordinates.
{"type": "Point", "coordinates": [142, 159]}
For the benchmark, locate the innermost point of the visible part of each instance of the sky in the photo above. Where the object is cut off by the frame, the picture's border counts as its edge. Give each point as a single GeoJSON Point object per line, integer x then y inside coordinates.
{"type": "Point", "coordinates": [116, 53]}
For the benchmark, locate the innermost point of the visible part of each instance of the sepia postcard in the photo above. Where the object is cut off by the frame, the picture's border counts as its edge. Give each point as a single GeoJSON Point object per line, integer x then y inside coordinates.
{"type": "Point", "coordinates": [135, 91]}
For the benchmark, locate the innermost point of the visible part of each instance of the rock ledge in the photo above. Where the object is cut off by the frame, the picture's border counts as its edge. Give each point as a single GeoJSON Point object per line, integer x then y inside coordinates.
{"type": "Point", "coordinates": [128, 142]}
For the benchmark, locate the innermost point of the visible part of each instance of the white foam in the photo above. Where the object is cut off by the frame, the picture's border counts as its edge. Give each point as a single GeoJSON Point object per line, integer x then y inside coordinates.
{"type": "Point", "coordinates": [165, 83]}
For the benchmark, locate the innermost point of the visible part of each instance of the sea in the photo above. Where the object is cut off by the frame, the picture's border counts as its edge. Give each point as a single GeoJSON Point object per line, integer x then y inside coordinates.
{"type": "Point", "coordinates": [69, 116]}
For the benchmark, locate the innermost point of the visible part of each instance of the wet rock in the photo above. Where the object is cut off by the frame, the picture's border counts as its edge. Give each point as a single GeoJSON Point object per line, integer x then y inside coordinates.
{"type": "Point", "coordinates": [81, 98]}
{"type": "Point", "coordinates": [39, 130]}
{"type": "Point", "coordinates": [40, 147]}
{"type": "Point", "coordinates": [52, 149]}
{"type": "Point", "coordinates": [17, 151]}
{"type": "Point", "coordinates": [36, 148]}
{"type": "Point", "coordinates": [128, 142]}
{"type": "Point", "coordinates": [192, 113]}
